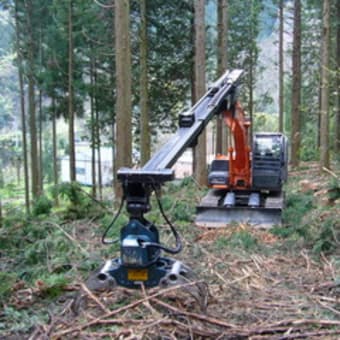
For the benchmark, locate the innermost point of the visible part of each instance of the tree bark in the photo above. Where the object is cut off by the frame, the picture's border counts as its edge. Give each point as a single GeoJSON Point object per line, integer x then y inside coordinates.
{"type": "Point", "coordinates": [100, 179]}
{"type": "Point", "coordinates": [251, 93]}
{"type": "Point", "coordinates": [337, 98]}
{"type": "Point", "coordinates": [123, 86]}
{"type": "Point", "coordinates": [31, 104]}
{"type": "Point", "coordinates": [200, 151]}
{"type": "Point", "coordinates": [144, 107]}
{"type": "Point", "coordinates": [55, 149]}
{"type": "Point", "coordinates": [70, 94]}
{"type": "Point", "coordinates": [324, 108]}
{"type": "Point", "coordinates": [93, 131]}
{"type": "Point", "coordinates": [40, 143]}
{"type": "Point", "coordinates": [113, 123]}
{"type": "Point", "coordinates": [40, 119]}
{"type": "Point", "coordinates": [0, 214]}
{"type": "Point", "coordinates": [222, 32]}
{"type": "Point", "coordinates": [281, 70]}
{"type": "Point", "coordinates": [97, 135]}
{"type": "Point", "coordinates": [23, 110]}
{"type": "Point", "coordinates": [296, 85]}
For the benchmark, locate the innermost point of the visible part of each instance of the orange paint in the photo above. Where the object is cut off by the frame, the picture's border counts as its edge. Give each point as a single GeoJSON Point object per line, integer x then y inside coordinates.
{"type": "Point", "coordinates": [239, 153]}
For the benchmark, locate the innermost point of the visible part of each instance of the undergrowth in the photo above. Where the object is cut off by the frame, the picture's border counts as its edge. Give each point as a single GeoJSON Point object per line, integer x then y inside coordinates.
{"type": "Point", "coordinates": [310, 222]}
{"type": "Point", "coordinates": [242, 239]}
{"type": "Point", "coordinates": [49, 250]}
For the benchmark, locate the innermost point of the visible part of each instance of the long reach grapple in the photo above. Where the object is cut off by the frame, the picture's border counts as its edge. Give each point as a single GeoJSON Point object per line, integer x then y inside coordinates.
{"type": "Point", "coordinates": [240, 180]}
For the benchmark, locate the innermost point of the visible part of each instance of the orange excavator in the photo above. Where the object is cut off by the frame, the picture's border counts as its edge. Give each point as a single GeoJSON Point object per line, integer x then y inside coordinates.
{"type": "Point", "coordinates": [238, 159]}
{"type": "Point", "coordinates": [245, 186]}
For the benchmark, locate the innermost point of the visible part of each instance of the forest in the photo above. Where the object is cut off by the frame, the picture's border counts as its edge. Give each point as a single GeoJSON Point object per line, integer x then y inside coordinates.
{"type": "Point", "coordinates": [90, 87]}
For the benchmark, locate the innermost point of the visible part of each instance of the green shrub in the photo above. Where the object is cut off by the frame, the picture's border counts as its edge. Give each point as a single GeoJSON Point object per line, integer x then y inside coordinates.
{"type": "Point", "coordinates": [238, 240]}
{"type": "Point", "coordinates": [42, 206]}
{"type": "Point", "coordinates": [182, 212]}
{"type": "Point", "coordinates": [334, 189]}
{"type": "Point", "coordinates": [80, 204]}
{"type": "Point", "coordinates": [297, 205]}
{"type": "Point", "coordinates": [243, 239]}
{"type": "Point", "coordinates": [327, 236]}
{"type": "Point", "coordinates": [6, 283]}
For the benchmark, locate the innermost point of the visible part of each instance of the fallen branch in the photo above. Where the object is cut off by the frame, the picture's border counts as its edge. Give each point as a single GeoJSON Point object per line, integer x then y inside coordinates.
{"type": "Point", "coordinates": [200, 317]}
{"type": "Point", "coordinates": [299, 322]}
{"type": "Point", "coordinates": [330, 172]}
{"type": "Point", "coordinates": [94, 298]}
{"type": "Point", "coordinates": [309, 335]}
{"type": "Point", "coordinates": [119, 310]}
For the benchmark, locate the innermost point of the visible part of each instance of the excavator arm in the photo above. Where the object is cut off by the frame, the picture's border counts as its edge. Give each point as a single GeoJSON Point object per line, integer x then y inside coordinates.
{"type": "Point", "coordinates": [239, 152]}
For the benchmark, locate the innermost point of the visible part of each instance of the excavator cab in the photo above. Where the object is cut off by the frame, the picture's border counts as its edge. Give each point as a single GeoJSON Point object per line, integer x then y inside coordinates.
{"type": "Point", "coordinates": [219, 172]}
{"type": "Point", "coordinates": [269, 161]}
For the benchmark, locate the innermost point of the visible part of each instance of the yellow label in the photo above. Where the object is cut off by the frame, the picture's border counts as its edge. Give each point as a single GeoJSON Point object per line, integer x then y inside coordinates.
{"type": "Point", "coordinates": [137, 274]}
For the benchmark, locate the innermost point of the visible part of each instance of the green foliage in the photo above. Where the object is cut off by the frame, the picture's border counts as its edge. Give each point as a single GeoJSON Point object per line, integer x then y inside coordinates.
{"type": "Point", "coordinates": [6, 283]}
{"type": "Point", "coordinates": [21, 320]}
{"type": "Point", "coordinates": [242, 239]}
{"type": "Point", "coordinates": [221, 243]}
{"type": "Point", "coordinates": [42, 206]}
{"type": "Point", "coordinates": [297, 205]}
{"type": "Point", "coordinates": [243, 50]}
{"type": "Point", "coordinates": [69, 191]}
{"type": "Point", "coordinates": [309, 225]}
{"type": "Point", "coordinates": [327, 236]}
{"type": "Point", "coordinates": [334, 189]}
{"type": "Point", "coordinates": [40, 251]}
{"type": "Point", "coordinates": [52, 285]}
{"type": "Point", "coordinates": [264, 122]}
{"type": "Point", "coordinates": [183, 212]}
{"type": "Point", "coordinates": [309, 150]}
{"type": "Point", "coordinates": [79, 203]}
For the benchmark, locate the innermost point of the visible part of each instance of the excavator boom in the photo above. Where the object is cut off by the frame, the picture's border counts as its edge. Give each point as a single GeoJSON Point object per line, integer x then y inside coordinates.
{"type": "Point", "coordinates": [141, 260]}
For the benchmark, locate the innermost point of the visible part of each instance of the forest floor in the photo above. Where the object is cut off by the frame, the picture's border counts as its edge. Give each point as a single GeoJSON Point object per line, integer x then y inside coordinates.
{"type": "Point", "coordinates": [250, 283]}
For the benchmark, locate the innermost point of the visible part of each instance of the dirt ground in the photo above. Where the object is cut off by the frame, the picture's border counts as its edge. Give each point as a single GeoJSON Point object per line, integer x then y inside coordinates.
{"type": "Point", "coordinates": [259, 287]}
{"type": "Point", "coordinates": [276, 293]}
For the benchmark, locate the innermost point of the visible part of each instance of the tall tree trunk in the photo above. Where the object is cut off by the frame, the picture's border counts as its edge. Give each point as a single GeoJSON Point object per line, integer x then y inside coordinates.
{"type": "Point", "coordinates": [200, 151]}
{"type": "Point", "coordinates": [251, 93]}
{"type": "Point", "coordinates": [55, 148]}
{"type": "Point", "coordinates": [123, 86]}
{"type": "Point", "coordinates": [100, 178]}
{"type": "Point", "coordinates": [144, 107]}
{"type": "Point", "coordinates": [281, 70]}
{"type": "Point", "coordinates": [23, 111]}
{"type": "Point", "coordinates": [31, 104]}
{"type": "Point", "coordinates": [251, 75]}
{"type": "Point", "coordinates": [113, 124]}
{"type": "Point", "coordinates": [296, 86]}
{"type": "Point", "coordinates": [0, 213]}
{"type": "Point", "coordinates": [324, 109]}
{"type": "Point", "coordinates": [40, 119]}
{"type": "Point", "coordinates": [337, 98]}
{"type": "Point", "coordinates": [93, 131]}
{"type": "Point", "coordinates": [40, 143]}
{"type": "Point", "coordinates": [97, 135]}
{"type": "Point", "coordinates": [222, 31]}
{"type": "Point", "coordinates": [70, 94]}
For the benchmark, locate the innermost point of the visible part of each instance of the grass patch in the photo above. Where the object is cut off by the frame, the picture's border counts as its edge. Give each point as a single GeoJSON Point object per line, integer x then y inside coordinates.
{"type": "Point", "coordinates": [242, 239]}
